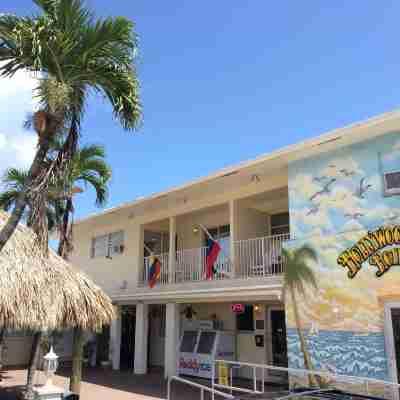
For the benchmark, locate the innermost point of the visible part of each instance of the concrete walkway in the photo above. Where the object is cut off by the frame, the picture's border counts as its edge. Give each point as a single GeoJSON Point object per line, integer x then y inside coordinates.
{"type": "Point", "coordinates": [101, 384]}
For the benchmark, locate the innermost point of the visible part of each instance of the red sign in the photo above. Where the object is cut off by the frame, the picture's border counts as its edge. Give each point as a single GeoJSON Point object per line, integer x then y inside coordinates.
{"type": "Point", "coordinates": [237, 308]}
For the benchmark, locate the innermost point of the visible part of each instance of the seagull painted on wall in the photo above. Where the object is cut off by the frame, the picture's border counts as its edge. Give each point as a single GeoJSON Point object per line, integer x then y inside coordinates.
{"type": "Point", "coordinates": [362, 189]}
{"type": "Point", "coordinates": [325, 190]}
{"type": "Point", "coordinates": [356, 216]}
{"type": "Point", "coordinates": [346, 172]}
{"type": "Point", "coordinates": [314, 210]}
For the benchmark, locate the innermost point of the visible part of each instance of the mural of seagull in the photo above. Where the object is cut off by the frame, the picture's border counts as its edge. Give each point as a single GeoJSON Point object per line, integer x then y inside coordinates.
{"type": "Point", "coordinates": [314, 210]}
{"type": "Point", "coordinates": [346, 172]}
{"type": "Point", "coordinates": [362, 189]}
{"type": "Point", "coordinates": [355, 216]}
{"type": "Point", "coordinates": [319, 178]}
{"type": "Point", "coordinates": [325, 190]}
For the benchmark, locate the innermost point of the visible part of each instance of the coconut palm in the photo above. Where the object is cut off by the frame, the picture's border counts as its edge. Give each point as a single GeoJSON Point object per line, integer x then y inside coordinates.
{"type": "Point", "coordinates": [88, 167]}
{"type": "Point", "coordinates": [74, 54]}
{"type": "Point", "coordinates": [297, 276]}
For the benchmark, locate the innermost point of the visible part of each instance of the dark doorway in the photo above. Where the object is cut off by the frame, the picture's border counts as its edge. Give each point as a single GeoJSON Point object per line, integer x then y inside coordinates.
{"type": "Point", "coordinates": [396, 337]}
{"type": "Point", "coordinates": [128, 323]}
{"type": "Point", "coordinates": [278, 336]}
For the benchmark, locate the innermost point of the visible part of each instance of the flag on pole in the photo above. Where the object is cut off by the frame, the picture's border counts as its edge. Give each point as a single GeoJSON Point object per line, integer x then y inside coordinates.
{"type": "Point", "coordinates": [213, 249]}
{"type": "Point", "coordinates": [154, 271]}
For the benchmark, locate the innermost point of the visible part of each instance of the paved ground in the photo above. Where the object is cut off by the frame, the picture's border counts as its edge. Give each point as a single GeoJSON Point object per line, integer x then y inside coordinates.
{"type": "Point", "coordinates": [105, 385]}
{"type": "Point", "coordinates": [99, 384]}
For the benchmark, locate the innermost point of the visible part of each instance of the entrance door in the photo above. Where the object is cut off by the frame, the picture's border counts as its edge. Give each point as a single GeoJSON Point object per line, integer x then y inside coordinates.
{"type": "Point", "coordinates": [128, 323]}
{"type": "Point", "coordinates": [276, 342]}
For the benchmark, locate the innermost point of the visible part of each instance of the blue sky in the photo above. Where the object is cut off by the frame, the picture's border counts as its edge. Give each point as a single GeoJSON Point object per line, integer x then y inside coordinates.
{"type": "Point", "coordinates": [225, 81]}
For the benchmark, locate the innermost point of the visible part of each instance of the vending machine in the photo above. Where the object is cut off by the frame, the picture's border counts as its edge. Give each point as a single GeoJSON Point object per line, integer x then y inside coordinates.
{"type": "Point", "coordinates": [198, 348]}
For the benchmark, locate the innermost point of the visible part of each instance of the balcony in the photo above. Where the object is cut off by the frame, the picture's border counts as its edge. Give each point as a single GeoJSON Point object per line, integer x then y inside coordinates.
{"type": "Point", "coordinates": [253, 258]}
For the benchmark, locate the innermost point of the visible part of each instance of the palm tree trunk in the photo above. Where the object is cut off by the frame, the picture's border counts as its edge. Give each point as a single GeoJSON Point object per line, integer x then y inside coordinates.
{"type": "Point", "coordinates": [77, 347]}
{"type": "Point", "coordinates": [2, 337]}
{"type": "Point", "coordinates": [33, 361]}
{"type": "Point", "coordinates": [303, 345]}
{"type": "Point", "coordinates": [77, 356]}
{"type": "Point", "coordinates": [21, 202]}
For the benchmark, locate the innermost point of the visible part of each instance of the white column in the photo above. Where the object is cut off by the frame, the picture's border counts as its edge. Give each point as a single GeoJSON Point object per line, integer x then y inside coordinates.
{"type": "Point", "coordinates": [141, 334]}
{"type": "Point", "coordinates": [233, 226]}
{"type": "Point", "coordinates": [115, 339]}
{"type": "Point", "coordinates": [172, 250]}
{"type": "Point", "coordinates": [171, 339]}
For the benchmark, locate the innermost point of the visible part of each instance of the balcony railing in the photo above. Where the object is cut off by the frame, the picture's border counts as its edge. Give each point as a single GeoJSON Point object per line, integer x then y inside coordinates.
{"type": "Point", "coordinates": [191, 266]}
{"type": "Point", "coordinates": [254, 258]}
{"type": "Point", "coordinates": [260, 257]}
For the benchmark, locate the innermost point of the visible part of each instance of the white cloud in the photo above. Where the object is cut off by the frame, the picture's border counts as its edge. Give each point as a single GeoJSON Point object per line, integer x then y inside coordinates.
{"type": "Point", "coordinates": [17, 146]}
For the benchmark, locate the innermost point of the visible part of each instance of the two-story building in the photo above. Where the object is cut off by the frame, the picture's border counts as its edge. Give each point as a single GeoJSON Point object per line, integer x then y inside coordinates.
{"type": "Point", "coordinates": [328, 192]}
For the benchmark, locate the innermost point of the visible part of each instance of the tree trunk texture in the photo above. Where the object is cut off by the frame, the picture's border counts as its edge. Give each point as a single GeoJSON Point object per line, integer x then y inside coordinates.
{"type": "Point", "coordinates": [303, 345]}
{"type": "Point", "coordinates": [77, 357]}
{"type": "Point", "coordinates": [33, 361]}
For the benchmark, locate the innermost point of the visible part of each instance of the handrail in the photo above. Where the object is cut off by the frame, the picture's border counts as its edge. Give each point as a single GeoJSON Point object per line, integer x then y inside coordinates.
{"type": "Point", "coordinates": [202, 388]}
{"type": "Point", "coordinates": [344, 378]}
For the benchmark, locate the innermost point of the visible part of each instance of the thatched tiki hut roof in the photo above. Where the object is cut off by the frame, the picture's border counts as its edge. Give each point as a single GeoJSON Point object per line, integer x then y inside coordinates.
{"type": "Point", "coordinates": [39, 293]}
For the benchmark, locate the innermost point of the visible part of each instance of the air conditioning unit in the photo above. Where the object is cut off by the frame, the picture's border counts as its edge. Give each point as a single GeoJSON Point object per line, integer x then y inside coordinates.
{"type": "Point", "coordinates": [118, 249]}
{"type": "Point", "coordinates": [391, 182]}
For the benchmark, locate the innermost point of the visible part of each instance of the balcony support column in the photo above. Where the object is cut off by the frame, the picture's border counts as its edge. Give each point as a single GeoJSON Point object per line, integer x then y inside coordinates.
{"type": "Point", "coordinates": [115, 339]}
{"type": "Point", "coordinates": [234, 235]}
{"type": "Point", "coordinates": [172, 250]}
{"type": "Point", "coordinates": [172, 319]}
{"type": "Point", "coordinates": [141, 337]}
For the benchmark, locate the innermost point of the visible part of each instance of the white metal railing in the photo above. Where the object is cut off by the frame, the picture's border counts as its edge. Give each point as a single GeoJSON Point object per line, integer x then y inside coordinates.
{"type": "Point", "coordinates": [163, 279]}
{"type": "Point", "coordinates": [300, 378]}
{"type": "Point", "coordinates": [191, 266]}
{"type": "Point", "coordinates": [260, 257]}
{"type": "Point", "coordinates": [202, 388]}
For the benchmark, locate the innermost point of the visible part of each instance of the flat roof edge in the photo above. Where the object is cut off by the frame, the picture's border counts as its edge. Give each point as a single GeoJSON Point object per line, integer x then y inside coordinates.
{"type": "Point", "coordinates": [292, 148]}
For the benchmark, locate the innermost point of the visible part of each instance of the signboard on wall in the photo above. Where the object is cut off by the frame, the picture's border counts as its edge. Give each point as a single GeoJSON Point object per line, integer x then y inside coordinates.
{"type": "Point", "coordinates": [237, 308]}
{"type": "Point", "coordinates": [378, 247]}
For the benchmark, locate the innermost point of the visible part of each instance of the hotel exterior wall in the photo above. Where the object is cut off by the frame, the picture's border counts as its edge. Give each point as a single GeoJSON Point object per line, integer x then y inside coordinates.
{"type": "Point", "coordinates": [111, 273]}
{"type": "Point", "coordinates": [335, 200]}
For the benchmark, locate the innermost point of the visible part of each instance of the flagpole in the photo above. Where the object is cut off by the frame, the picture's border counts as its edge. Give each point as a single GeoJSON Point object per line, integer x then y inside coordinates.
{"type": "Point", "coordinates": [148, 248]}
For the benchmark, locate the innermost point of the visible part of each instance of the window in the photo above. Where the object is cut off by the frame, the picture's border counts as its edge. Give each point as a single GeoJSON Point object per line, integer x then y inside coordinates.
{"type": "Point", "coordinates": [108, 245]}
{"type": "Point", "coordinates": [245, 320]}
{"type": "Point", "coordinates": [392, 183]}
{"type": "Point", "coordinates": [280, 224]}
{"type": "Point", "coordinates": [206, 342]}
{"type": "Point", "coordinates": [189, 341]}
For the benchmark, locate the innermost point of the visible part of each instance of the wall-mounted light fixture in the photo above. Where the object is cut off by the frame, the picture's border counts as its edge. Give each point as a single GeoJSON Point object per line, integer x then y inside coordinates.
{"type": "Point", "coordinates": [195, 230]}
{"type": "Point", "coordinates": [255, 178]}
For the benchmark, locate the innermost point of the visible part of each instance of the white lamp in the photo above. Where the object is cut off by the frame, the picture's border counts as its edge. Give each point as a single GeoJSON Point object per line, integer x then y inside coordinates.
{"type": "Point", "coordinates": [50, 366]}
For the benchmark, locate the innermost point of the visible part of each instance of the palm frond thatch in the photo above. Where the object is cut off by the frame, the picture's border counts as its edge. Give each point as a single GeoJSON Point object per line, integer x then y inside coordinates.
{"type": "Point", "coordinates": [41, 293]}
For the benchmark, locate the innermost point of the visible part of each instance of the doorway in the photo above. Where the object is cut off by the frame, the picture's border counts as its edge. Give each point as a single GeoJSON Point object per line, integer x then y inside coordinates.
{"type": "Point", "coordinates": [128, 324]}
{"type": "Point", "coordinates": [277, 342]}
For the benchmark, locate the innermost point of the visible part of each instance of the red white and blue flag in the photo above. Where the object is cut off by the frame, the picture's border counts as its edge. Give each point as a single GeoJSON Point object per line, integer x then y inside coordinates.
{"type": "Point", "coordinates": [213, 249]}
{"type": "Point", "coordinates": [154, 271]}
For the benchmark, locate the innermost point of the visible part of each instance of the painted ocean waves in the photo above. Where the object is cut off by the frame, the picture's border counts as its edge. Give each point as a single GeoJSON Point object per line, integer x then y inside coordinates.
{"type": "Point", "coordinates": [341, 352]}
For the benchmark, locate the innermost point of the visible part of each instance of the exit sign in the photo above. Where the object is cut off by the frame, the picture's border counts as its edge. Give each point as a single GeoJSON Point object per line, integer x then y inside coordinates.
{"type": "Point", "coordinates": [237, 308]}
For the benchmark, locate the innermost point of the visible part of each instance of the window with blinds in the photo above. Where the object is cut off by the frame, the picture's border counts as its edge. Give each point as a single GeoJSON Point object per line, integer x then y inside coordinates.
{"type": "Point", "coordinates": [108, 245]}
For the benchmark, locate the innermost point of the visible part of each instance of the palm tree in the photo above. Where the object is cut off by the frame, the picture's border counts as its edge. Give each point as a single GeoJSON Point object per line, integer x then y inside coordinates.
{"type": "Point", "coordinates": [298, 274]}
{"type": "Point", "coordinates": [74, 54]}
{"type": "Point", "coordinates": [88, 166]}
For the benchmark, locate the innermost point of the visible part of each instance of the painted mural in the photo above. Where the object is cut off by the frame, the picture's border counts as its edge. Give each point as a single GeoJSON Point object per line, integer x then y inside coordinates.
{"type": "Point", "coordinates": [338, 207]}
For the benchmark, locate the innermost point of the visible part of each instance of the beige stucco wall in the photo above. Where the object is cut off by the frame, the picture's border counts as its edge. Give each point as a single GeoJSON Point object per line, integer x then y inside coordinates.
{"type": "Point", "coordinates": [108, 273]}
{"type": "Point", "coordinates": [251, 223]}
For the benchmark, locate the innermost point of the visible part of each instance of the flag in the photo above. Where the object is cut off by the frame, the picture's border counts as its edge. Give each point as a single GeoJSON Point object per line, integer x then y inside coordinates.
{"type": "Point", "coordinates": [154, 271]}
{"type": "Point", "coordinates": [213, 249]}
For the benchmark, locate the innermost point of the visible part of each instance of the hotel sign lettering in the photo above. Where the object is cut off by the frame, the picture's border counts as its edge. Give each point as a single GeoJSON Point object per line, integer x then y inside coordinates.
{"type": "Point", "coordinates": [371, 247]}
